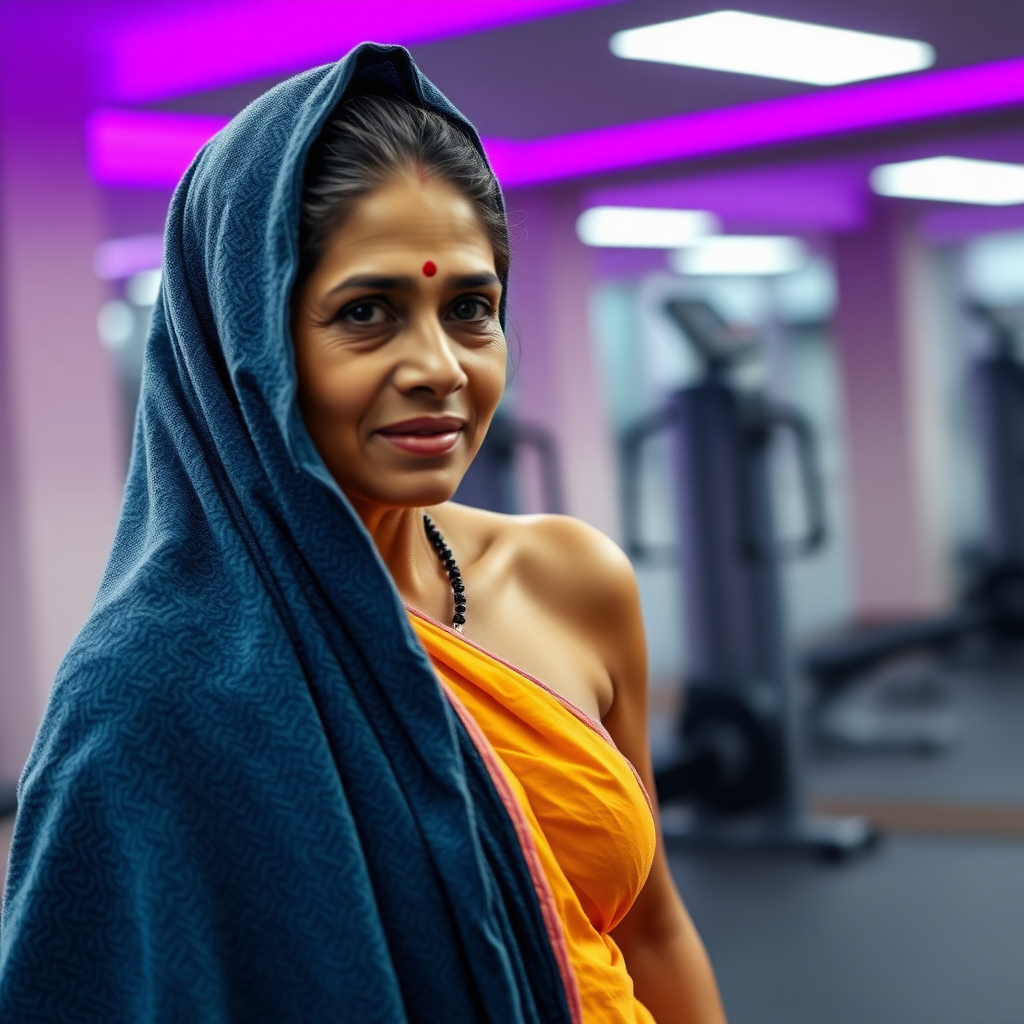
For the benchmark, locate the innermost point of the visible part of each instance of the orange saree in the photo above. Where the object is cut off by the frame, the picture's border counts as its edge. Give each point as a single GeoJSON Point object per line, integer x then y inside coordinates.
{"type": "Point", "coordinates": [582, 814]}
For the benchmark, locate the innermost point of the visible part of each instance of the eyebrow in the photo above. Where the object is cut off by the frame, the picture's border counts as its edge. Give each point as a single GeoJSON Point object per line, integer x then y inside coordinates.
{"type": "Point", "coordinates": [484, 280]}
{"type": "Point", "coordinates": [388, 284]}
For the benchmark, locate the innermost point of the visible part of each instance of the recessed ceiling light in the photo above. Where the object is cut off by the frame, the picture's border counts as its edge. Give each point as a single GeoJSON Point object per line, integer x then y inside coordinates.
{"type": "Point", "coordinates": [752, 44]}
{"type": "Point", "coordinates": [143, 288]}
{"type": "Point", "coordinates": [740, 255]}
{"type": "Point", "coordinates": [115, 324]}
{"type": "Point", "coordinates": [636, 227]}
{"type": "Point", "coordinates": [952, 179]}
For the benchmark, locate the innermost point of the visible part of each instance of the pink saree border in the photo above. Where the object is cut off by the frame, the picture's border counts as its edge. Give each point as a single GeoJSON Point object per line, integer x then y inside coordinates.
{"type": "Point", "coordinates": [545, 897]}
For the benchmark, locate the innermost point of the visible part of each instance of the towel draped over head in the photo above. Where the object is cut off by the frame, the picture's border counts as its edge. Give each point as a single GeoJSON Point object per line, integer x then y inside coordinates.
{"type": "Point", "coordinates": [249, 799]}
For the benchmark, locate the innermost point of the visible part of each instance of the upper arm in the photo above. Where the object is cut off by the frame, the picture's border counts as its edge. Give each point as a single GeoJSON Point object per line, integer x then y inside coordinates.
{"type": "Point", "coordinates": [663, 952]}
{"type": "Point", "coordinates": [658, 913]}
{"type": "Point", "coordinates": [595, 588]}
{"type": "Point", "coordinates": [607, 600]}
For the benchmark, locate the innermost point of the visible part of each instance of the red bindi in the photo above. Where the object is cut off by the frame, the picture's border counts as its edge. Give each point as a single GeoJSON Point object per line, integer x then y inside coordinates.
{"type": "Point", "coordinates": [430, 268]}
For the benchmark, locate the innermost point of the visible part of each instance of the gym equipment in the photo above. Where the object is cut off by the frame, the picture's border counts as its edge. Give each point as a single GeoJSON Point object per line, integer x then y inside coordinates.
{"type": "Point", "coordinates": [998, 391]}
{"type": "Point", "coordinates": [490, 481]}
{"type": "Point", "coordinates": [739, 760]}
{"type": "Point", "coordinates": [993, 604]}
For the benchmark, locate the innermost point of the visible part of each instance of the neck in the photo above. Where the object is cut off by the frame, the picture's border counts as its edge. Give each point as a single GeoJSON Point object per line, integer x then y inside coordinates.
{"type": "Point", "coordinates": [402, 543]}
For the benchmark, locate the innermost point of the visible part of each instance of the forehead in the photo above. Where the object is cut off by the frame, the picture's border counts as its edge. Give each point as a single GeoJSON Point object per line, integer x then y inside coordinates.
{"type": "Point", "coordinates": [414, 218]}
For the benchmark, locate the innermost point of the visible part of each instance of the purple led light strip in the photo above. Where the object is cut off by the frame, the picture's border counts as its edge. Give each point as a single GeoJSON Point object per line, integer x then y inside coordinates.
{"type": "Point", "coordinates": [138, 148]}
{"type": "Point", "coordinates": [828, 112]}
{"type": "Point", "coordinates": [223, 42]}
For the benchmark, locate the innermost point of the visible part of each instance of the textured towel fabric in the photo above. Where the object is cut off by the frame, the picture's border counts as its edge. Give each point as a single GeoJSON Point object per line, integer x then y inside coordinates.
{"type": "Point", "coordinates": [250, 800]}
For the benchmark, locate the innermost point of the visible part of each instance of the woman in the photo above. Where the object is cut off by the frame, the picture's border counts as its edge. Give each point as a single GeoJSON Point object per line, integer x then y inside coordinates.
{"type": "Point", "coordinates": [250, 798]}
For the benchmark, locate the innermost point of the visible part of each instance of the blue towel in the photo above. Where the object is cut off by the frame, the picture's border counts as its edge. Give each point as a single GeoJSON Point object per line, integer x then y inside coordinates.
{"type": "Point", "coordinates": [249, 799]}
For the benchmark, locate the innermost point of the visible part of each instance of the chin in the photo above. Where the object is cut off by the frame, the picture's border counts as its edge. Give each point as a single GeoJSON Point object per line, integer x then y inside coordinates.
{"type": "Point", "coordinates": [423, 491]}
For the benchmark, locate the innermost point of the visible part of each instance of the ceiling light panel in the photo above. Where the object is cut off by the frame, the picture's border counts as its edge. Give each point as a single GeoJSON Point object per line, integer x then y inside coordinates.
{"type": "Point", "coordinates": [752, 44]}
{"type": "Point", "coordinates": [739, 255]}
{"type": "Point", "coordinates": [633, 227]}
{"type": "Point", "coordinates": [952, 179]}
{"type": "Point", "coordinates": [119, 258]}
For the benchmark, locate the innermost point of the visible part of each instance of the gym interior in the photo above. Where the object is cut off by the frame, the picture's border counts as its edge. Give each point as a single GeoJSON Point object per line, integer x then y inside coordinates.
{"type": "Point", "coordinates": [766, 331]}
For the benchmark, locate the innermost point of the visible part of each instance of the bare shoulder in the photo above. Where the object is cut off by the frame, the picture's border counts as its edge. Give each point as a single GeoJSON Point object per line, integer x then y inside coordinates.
{"type": "Point", "coordinates": [576, 563]}
{"type": "Point", "coordinates": [592, 582]}
{"type": "Point", "coordinates": [563, 560]}
{"type": "Point", "coordinates": [572, 570]}
{"type": "Point", "coordinates": [553, 595]}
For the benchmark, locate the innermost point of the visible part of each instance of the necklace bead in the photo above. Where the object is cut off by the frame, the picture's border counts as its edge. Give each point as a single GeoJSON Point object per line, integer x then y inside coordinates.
{"type": "Point", "coordinates": [444, 553]}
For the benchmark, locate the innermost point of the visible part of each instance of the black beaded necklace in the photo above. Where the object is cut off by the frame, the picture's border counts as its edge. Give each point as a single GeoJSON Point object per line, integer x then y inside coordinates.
{"type": "Point", "coordinates": [445, 554]}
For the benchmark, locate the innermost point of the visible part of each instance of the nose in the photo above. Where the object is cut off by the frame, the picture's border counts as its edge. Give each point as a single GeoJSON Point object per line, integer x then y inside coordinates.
{"type": "Point", "coordinates": [429, 361]}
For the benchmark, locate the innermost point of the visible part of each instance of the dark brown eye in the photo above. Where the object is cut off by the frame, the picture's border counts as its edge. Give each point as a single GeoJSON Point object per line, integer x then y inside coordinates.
{"type": "Point", "coordinates": [363, 313]}
{"type": "Point", "coordinates": [469, 310]}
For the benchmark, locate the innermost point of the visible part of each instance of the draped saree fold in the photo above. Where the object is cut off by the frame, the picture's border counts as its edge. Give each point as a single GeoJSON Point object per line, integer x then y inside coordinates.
{"type": "Point", "coordinates": [249, 799]}
{"type": "Point", "coordinates": [587, 818]}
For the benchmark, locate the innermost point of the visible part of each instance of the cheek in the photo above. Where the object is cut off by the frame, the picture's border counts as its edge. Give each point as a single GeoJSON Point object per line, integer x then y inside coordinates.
{"type": "Point", "coordinates": [490, 379]}
{"type": "Point", "coordinates": [334, 397]}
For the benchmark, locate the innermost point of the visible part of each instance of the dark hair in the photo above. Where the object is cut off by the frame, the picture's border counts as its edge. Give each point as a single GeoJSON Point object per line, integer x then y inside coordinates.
{"type": "Point", "coordinates": [370, 139]}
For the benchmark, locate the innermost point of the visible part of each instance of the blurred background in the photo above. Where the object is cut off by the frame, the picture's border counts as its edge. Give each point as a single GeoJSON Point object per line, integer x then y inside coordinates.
{"type": "Point", "coordinates": [767, 310]}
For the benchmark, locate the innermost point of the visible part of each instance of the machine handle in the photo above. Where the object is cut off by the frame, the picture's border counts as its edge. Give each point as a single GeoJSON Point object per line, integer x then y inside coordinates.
{"type": "Point", "coordinates": [1004, 350]}
{"type": "Point", "coordinates": [529, 436]}
{"type": "Point", "coordinates": [1017, 375]}
{"type": "Point", "coordinates": [773, 418]}
{"type": "Point", "coordinates": [631, 445]}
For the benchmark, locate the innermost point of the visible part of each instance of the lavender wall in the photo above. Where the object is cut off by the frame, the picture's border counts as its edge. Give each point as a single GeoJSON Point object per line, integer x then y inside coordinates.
{"type": "Point", "coordinates": [62, 467]}
{"type": "Point", "coordinates": [557, 383]}
{"type": "Point", "coordinates": [894, 425]}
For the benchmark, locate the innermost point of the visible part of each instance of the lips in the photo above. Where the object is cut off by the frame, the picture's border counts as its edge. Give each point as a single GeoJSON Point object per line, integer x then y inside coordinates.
{"type": "Point", "coordinates": [425, 425]}
{"type": "Point", "coordinates": [424, 435]}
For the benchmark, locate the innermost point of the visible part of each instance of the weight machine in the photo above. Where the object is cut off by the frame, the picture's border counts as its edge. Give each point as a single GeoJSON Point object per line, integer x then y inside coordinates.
{"type": "Point", "coordinates": [738, 763]}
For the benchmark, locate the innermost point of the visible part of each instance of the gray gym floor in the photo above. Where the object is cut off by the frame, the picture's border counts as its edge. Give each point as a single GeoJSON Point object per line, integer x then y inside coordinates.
{"type": "Point", "coordinates": [921, 931]}
{"type": "Point", "coordinates": [926, 929]}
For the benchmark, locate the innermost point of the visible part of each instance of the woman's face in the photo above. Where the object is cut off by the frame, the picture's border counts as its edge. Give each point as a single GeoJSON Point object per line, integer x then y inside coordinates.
{"type": "Point", "coordinates": [399, 352]}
